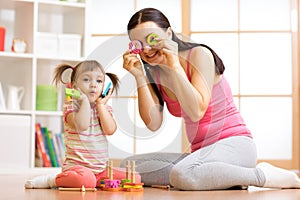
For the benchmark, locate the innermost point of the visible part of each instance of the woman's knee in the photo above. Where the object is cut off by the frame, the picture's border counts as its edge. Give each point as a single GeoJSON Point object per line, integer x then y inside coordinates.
{"type": "Point", "coordinates": [177, 176]}
{"type": "Point", "coordinates": [76, 176]}
{"type": "Point", "coordinates": [182, 178]}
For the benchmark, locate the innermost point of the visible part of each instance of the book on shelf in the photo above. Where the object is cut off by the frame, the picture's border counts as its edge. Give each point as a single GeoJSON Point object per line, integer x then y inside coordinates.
{"type": "Point", "coordinates": [56, 149]}
{"type": "Point", "coordinates": [41, 145]}
{"type": "Point", "coordinates": [50, 147]}
{"type": "Point", "coordinates": [38, 160]}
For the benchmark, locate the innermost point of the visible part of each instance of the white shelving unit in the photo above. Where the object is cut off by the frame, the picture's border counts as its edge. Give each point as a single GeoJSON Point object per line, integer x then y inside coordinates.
{"type": "Point", "coordinates": [27, 19]}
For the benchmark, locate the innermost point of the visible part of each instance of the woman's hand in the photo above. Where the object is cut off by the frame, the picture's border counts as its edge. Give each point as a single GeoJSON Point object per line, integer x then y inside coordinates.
{"type": "Point", "coordinates": [132, 63]}
{"type": "Point", "coordinates": [169, 49]}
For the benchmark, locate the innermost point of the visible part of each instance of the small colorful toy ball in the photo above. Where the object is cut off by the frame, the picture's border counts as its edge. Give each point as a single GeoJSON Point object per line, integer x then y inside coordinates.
{"type": "Point", "coordinates": [135, 46]}
{"type": "Point", "coordinates": [151, 39]}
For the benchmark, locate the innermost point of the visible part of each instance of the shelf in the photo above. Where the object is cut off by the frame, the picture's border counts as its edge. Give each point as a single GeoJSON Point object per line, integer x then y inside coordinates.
{"type": "Point", "coordinates": [46, 58]}
{"type": "Point", "coordinates": [17, 112]}
{"type": "Point", "coordinates": [28, 1]}
{"type": "Point", "coordinates": [49, 113]}
{"type": "Point", "coordinates": [10, 4]}
{"type": "Point", "coordinates": [26, 19]}
{"type": "Point", "coordinates": [48, 2]}
{"type": "Point", "coordinates": [63, 3]}
{"type": "Point", "coordinates": [60, 7]}
{"type": "Point", "coordinates": [28, 112]}
{"type": "Point", "coordinates": [11, 56]}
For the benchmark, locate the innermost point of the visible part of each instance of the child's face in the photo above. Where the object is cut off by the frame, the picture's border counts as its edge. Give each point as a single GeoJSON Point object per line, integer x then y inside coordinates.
{"type": "Point", "coordinates": [91, 84]}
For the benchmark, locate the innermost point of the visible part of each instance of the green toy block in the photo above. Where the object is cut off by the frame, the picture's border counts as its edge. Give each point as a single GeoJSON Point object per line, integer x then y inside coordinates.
{"type": "Point", "coordinates": [72, 93]}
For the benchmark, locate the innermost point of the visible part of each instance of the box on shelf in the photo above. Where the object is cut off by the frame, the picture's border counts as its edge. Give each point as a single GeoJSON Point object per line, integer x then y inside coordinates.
{"type": "Point", "coordinates": [46, 44]}
{"type": "Point", "coordinates": [69, 45]}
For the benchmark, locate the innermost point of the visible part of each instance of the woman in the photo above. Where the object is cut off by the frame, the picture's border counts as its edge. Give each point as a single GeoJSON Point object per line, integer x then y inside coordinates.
{"type": "Point", "coordinates": [189, 78]}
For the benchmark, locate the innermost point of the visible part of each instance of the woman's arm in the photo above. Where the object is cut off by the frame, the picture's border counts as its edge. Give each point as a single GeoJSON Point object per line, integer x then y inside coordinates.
{"type": "Point", "coordinates": [193, 97]}
{"type": "Point", "coordinates": [149, 107]}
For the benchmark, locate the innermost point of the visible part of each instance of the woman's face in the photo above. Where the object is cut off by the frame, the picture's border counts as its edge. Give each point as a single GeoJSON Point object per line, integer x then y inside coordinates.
{"type": "Point", "coordinates": [141, 32]}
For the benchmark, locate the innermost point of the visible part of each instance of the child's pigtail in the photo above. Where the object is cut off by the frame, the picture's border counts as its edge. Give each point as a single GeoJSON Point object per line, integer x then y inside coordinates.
{"type": "Point", "coordinates": [115, 81]}
{"type": "Point", "coordinates": [58, 74]}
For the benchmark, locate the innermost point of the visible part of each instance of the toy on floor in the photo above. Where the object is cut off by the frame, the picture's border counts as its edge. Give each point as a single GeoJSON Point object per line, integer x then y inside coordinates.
{"type": "Point", "coordinates": [128, 184]}
{"type": "Point", "coordinates": [164, 187]}
{"type": "Point", "coordinates": [82, 189]}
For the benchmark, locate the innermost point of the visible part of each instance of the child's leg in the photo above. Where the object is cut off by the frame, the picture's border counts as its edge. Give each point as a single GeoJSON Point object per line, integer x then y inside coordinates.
{"type": "Point", "coordinates": [41, 182]}
{"type": "Point", "coordinates": [118, 173]}
{"type": "Point", "coordinates": [76, 177]}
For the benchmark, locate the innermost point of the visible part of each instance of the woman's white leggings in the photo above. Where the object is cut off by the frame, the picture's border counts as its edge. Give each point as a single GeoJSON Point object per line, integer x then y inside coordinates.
{"type": "Point", "coordinates": [228, 163]}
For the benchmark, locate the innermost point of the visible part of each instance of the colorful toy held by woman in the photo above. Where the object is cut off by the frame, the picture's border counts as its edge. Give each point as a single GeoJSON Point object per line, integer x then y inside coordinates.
{"type": "Point", "coordinates": [151, 39]}
{"type": "Point", "coordinates": [136, 47]}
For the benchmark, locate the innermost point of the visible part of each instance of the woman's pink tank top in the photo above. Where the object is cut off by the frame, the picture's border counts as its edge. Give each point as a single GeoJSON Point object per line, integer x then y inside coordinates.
{"type": "Point", "coordinates": [221, 119]}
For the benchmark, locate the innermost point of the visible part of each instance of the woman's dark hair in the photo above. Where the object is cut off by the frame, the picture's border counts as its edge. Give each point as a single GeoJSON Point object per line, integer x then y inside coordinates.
{"type": "Point", "coordinates": [154, 15]}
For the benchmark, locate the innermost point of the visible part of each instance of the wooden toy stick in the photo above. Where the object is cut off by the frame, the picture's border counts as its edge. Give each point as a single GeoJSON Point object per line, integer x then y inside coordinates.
{"type": "Point", "coordinates": [78, 189]}
{"type": "Point", "coordinates": [167, 187]}
{"type": "Point", "coordinates": [111, 173]}
{"type": "Point", "coordinates": [133, 171]}
{"type": "Point", "coordinates": [127, 170]}
{"type": "Point", "coordinates": [107, 169]}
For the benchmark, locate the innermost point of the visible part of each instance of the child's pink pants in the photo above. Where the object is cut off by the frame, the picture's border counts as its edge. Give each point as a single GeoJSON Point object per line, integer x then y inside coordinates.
{"type": "Point", "coordinates": [78, 176]}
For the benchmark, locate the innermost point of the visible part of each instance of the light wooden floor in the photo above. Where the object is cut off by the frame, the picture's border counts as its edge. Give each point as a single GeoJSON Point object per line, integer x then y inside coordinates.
{"type": "Point", "coordinates": [12, 188]}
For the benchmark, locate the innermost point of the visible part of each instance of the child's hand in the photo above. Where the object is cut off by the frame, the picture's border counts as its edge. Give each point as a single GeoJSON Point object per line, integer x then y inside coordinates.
{"type": "Point", "coordinates": [82, 96]}
{"type": "Point", "coordinates": [103, 100]}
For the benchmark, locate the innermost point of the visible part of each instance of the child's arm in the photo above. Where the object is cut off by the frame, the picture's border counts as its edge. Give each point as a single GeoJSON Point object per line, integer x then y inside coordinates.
{"type": "Point", "coordinates": [107, 121]}
{"type": "Point", "coordinates": [80, 121]}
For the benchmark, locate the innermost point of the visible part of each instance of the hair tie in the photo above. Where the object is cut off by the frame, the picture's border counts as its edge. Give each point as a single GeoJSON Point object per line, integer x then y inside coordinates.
{"type": "Point", "coordinates": [68, 85]}
{"type": "Point", "coordinates": [72, 67]}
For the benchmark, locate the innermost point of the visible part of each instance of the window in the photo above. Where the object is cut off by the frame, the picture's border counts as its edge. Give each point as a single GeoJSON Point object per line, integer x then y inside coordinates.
{"type": "Point", "coordinates": [254, 39]}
